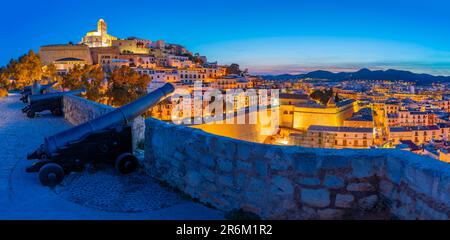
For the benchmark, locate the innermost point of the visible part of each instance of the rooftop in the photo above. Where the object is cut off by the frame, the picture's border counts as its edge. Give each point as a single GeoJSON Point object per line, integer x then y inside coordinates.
{"type": "Point", "coordinates": [414, 128]}
{"type": "Point", "coordinates": [339, 129]}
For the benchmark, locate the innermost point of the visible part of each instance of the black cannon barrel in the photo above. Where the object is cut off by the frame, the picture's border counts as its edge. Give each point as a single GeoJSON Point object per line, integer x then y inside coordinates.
{"type": "Point", "coordinates": [34, 98]}
{"type": "Point", "coordinates": [122, 115]}
{"type": "Point", "coordinates": [37, 88]}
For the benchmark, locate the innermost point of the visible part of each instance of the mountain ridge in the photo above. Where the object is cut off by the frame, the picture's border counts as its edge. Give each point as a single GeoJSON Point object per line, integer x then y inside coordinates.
{"type": "Point", "coordinates": [364, 74]}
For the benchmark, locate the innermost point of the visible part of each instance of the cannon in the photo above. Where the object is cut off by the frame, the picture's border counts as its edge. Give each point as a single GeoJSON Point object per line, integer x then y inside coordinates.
{"type": "Point", "coordinates": [35, 89]}
{"type": "Point", "coordinates": [51, 102]}
{"type": "Point", "coordinates": [107, 139]}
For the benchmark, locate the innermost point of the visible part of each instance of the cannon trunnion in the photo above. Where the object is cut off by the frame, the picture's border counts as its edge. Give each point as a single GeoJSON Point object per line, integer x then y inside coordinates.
{"type": "Point", "coordinates": [106, 139]}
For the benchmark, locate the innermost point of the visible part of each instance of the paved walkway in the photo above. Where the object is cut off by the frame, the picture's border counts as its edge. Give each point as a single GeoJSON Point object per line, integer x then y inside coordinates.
{"type": "Point", "coordinates": [86, 196]}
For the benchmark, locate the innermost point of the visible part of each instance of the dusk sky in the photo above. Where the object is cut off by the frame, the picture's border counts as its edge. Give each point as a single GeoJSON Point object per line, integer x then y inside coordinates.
{"type": "Point", "coordinates": [265, 36]}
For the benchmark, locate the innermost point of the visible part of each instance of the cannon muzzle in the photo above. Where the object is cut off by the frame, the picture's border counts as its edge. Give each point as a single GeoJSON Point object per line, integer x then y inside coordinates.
{"type": "Point", "coordinates": [48, 87]}
{"type": "Point", "coordinates": [26, 90]}
{"type": "Point", "coordinates": [34, 98]}
{"type": "Point", "coordinates": [120, 116]}
{"type": "Point", "coordinates": [36, 87]}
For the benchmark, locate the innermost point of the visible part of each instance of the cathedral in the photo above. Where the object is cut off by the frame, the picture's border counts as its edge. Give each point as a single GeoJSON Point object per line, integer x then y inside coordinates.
{"type": "Point", "coordinates": [99, 37]}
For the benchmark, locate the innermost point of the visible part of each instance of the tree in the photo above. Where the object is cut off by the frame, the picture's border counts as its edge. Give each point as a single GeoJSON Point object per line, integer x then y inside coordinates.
{"type": "Point", "coordinates": [72, 80]}
{"type": "Point", "coordinates": [28, 69]}
{"type": "Point", "coordinates": [92, 79]}
{"type": "Point", "coordinates": [51, 74]}
{"type": "Point", "coordinates": [87, 77]}
{"type": "Point", "coordinates": [234, 69]}
{"type": "Point", "coordinates": [25, 70]}
{"type": "Point", "coordinates": [4, 78]}
{"type": "Point", "coordinates": [126, 85]}
{"type": "Point", "coordinates": [323, 96]}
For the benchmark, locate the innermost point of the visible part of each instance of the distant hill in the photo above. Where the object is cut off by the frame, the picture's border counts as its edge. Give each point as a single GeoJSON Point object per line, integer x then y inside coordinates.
{"type": "Point", "coordinates": [365, 74]}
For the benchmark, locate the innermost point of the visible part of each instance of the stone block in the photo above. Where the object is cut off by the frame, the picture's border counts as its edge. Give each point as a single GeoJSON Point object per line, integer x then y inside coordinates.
{"type": "Point", "coordinates": [225, 181]}
{"type": "Point", "coordinates": [344, 200]}
{"type": "Point", "coordinates": [243, 151]}
{"type": "Point", "coordinates": [425, 212]}
{"type": "Point", "coordinates": [193, 179]}
{"type": "Point", "coordinates": [360, 187]}
{"type": "Point", "coordinates": [362, 167]}
{"type": "Point", "coordinates": [225, 165]}
{"type": "Point", "coordinates": [256, 185]}
{"type": "Point", "coordinates": [255, 193]}
{"type": "Point", "coordinates": [281, 185]}
{"type": "Point", "coordinates": [368, 203]}
{"type": "Point", "coordinates": [241, 180]}
{"type": "Point", "coordinates": [394, 170]}
{"type": "Point", "coordinates": [315, 197]}
{"type": "Point", "coordinates": [386, 188]}
{"type": "Point", "coordinates": [208, 175]}
{"type": "Point", "coordinates": [306, 166]}
{"type": "Point", "coordinates": [178, 156]}
{"type": "Point", "coordinates": [422, 181]}
{"type": "Point", "coordinates": [405, 199]}
{"type": "Point", "coordinates": [279, 164]}
{"type": "Point", "coordinates": [261, 167]}
{"type": "Point", "coordinates": [243, 166]}
{"type": "Point", "coordinates": [228, 149]}
{"type": "Point", "coordinates": [207, 161]}
{"type": "Point", "coordinates": [309, 213]}
{"type": "Point", "coordinates": [308, 181]}
{"type": "Point", "coordinates": [331, 162]}
{"type": "Point", "coordinates": [333, 182]}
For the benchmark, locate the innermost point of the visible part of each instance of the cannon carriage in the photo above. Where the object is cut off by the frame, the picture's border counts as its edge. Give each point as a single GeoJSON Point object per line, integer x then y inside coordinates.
{"type": "Point", "coordinates": [107, 139]}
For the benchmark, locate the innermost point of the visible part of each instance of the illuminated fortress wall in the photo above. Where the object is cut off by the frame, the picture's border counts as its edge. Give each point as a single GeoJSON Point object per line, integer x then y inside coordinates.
{"type": "Point", "coordinates": [257, 132]}
{"type": "Point", "coordinates": [305, 116]}
{"type": "Point", "coordinates": [49, 54]}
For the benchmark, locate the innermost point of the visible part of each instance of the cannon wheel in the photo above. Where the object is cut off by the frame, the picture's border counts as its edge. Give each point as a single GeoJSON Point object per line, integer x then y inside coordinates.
{"type": "Point", "coordinates": [51, 174]}
{"type": "Point", "coordinates": [126, 163]}
{"type": "Point", "coordinates": [31, 114]}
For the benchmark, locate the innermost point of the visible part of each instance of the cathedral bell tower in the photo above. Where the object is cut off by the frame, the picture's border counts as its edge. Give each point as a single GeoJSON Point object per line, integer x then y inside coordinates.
{"type": "Point", "coordinates": [101, 26]}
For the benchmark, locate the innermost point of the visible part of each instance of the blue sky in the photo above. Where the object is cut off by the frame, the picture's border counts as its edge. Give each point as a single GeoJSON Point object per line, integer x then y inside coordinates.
{"type": "Point", "coordinates": [265, 36]}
